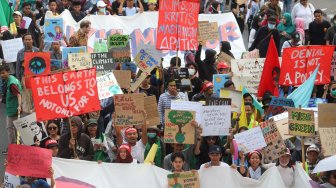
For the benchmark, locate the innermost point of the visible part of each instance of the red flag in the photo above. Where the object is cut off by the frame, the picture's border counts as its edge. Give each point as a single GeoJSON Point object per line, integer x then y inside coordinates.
{"type": "Point", "coordinates": [271, 72]}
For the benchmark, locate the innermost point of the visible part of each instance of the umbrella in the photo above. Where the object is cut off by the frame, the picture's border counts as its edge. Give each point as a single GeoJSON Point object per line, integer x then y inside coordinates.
{"type": "Point", "coordinates": [326, 164]}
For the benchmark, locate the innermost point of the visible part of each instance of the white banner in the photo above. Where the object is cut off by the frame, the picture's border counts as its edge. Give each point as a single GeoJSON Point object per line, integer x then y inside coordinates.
{"type": "Point", "coordinates": [11, 181]}
{"type": "Point", "coordinates": [142, 29]}
{"type": "Point", "coordinates": [73, 173]}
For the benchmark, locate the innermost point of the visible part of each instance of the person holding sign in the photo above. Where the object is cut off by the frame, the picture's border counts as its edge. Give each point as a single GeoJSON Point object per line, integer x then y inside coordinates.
{"type": "Point", "coordinates": [215, 154]}
{"type": "Point", "coordinates": [153, 138]}
{"type": "Point", "coordinates": [255, 170]}
{"type": "Point", "coordinates": [207, 67]}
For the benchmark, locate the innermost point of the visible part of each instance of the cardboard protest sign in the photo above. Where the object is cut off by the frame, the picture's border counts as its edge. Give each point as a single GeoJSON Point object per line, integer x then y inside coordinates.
{"type": "Point", "coordinates": [277, 106]}
{"type": "Point", "coordinates": [30, 130]}
{"type": "Point", "coordinates": [314, 102]}
{"type": "Point", "coordinates": [251, 55]}
{"type": "Point", "coordinates": [107, 86]}
{"type": "Point", "coordinates": [11, 49]}
{"type": "Point", "coordinates": [100, 45]}
{"type": "Point", "coordinates": [28, 161]}
{"type": "Point", "coordinates": [117, 41]}
{"type": "Point", "coordinates": [145, 61]}
{"type": "Point", "coordinates": [236, 97]}
{"type": "Point", "coordinates": [326, 115]}
{"type": "Point", "coordinates": [79, 61]}
{"type": "Point", "coordinates": [217, 101]}
{"type": "Point", "coordinates": [36, 63]}
{"type": "Point", "coordinates": [328, 140]}
{"type": "Point", "coordinates": [183, 37]}
{"type": "Point", "coordinates": [156, 54]}
{"type": "Point", "coordinates": [250, 140]}
{"type": "Point", "coordinates": [103, 62]}
{"type": "Point", "coordinates": [189, 179]}
{"type": "Point", "coordinates": [53, 29]}
{"type": "Point", "coordinates": [182, 79]}
{"type": "Point", "coordinates": [65, 94]}
{"type": "Point", "coordinates": [129, 109]}
{"type": "Point", "coordinates": [208, 31]}
{"type": "Point", "coordinates": [300, 62]}
{"type": "Point", "coordinates": [301, 122]}
{"type": "Point", "coordinates": [224, 57]}
{"type": "Point", "coordinates": [120, 48]}
{"type": "Point", "coordinates": [150, 106]}
{"type": "Point", "coordinates": [123, 78]}
{"type": "Point", "coordinates": [219, 81]}
{"type": "Point", "coordinates": [216, 120]}
{"type": "Point", "coordinates": [67, 50]}
{"type": "Point", "coordinates": [275, 144]}
{"type": "Point", "coordinates": [11, 181]}
{"type": "Point", "coordinates": [178, 128]}
{"type": "Point", "coordinates": [136, 84]}
{"type": "Point", "coordinates": [188, 106]}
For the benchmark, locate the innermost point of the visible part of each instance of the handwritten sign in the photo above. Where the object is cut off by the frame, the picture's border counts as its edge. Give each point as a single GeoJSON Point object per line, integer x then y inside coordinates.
{"type": "Point", "coordinates": [217, 101]}
{"type": "Point", "coordinates": [53, 29]}
{"type": "Point", "coordinates": [208, 31]}
{"type": "Point", "coordinates": [117, 41]}
{"type": "Point", "coordinates": [300, 62]}
{"type": "Point", "coordinates": [224, 57]}
{"type": "Point", "coordinates": [103, 62]}
{"type": "Point", "coordinates": [30, 130]}
{"type": "Point", "coordinates": [123, 78]}
{"type": "Point", "coordinates": [28, 161]}
{"type": "Point", "coordinates": [145, 61]}
{"type": "Point", "coordinates": [250, 140]}
{"type": "Point", "coordinates": [136, 84]}
{"type": "Point", "coordinates": [12, 47]}
{"type": "Point", "coordinates": [189, 179]}
{"type": "Point", "coordinates": [79, 61]}
{"type": "Point", "coordinates": [326, 115]}
{"type": "Point", "coordinates": [275, 144]}
{"type": "Point", "coordinates": [277, 106]}
{"type": "Point", "coordinates": [150, 49]}
{"type": "Point", "coordinates": [150, 106]}
{"type": "Point", "coordinates": [11, 181]}
{"type": "Point", "coordinates": [219, 81]}
{"type": "Point", "coordinates": [178, 128]}
{"type": "Point", "coordinates": [328, 140]}
{"type": "Point", "coordinates": [183, 37]}
{"type": "Point", "coordinates": [120, 48]}
{"type": "Point", "coordinates": [107, 86]}
{"type": "Point", "coordinates": [301, 122]}
{"type": "Point", "coordinates": [188, 106]}
{"type": "Point", "coordinates": [216, 120]}
{"type": "Point", "coordinates": [235, 96]}
{"type": "Point", "coordinates": [68, 50]}
{"type": "Point", "coordinates": [65, 94]}
{"type": "Point", "coordinates": [129, 109]}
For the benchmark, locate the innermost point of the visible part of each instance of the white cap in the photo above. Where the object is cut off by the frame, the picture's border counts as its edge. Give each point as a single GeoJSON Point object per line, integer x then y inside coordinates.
{"type": "Point", "coordinates": [17, 13]}
{"type": "Point", "coordinates": [101, 4]}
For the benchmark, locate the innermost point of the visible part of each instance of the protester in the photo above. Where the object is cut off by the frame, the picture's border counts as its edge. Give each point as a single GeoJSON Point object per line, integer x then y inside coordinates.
{"type": "Point", "coordinates": [330, 92]}
{"type": "Point", "coordinates": [294, 42]}
{"type": "Point", "coordinates": [329, 36]}
{"type": "Point", "coordinates": [312, 154]}
{"type": "Point", "coordinates": [124, 155]}
{"type": "Point", "coordinates": [207, 67]}
{"type": "Point", "coordinates": [81, 37]}
{"type": "Point", "coordinates": [255, 170]}
{"type": "Point", "coordinates": [53, 146]}
{"type": "Point", "coordinates": [331, 179]}
{"type": "Point", "coordinates": [153, 138]}
{"type": "Point", "coordinates": [130, 9]}
{"type": "Point", "coordinates": [215, 154]}
{"type": "Point", "coordinates": [148, 89]}
{"type": "Point", "coordinates": [286, 28]}
{"type": "Point", "coordinates": [273, 5]}
{"type": "Point", "coordinates": [101, 8]}
{"type": "Point", "coordinates": [285, 169]}
{"type": "Point", "coordinates": [53, 130]}
{"type": "Point", "coordinates": [196, 83]}
{"type": "Point", "coordinates": [318, 29]}
{"type": "Point", "coordinates": [206, 92]}
{"type": "Point", "coordinates": [223, 68]}
{"type": "Point", "coordinates": [77, 14]}
{"type": "Point", "coordinates": [255, 25]}
{"type": "Point", "coordinates": [177, 161]}
{"type": "Point", "coordinates": [299, 24]}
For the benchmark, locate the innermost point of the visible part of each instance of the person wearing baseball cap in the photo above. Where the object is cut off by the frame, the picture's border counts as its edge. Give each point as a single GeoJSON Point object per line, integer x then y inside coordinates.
{"type": "Point", "coordinates": [101, 8]}
{"type": "Point", "coordinates": [286, 169]}
{"type": "Point", "coordinates": [215, 154]}
{"type": "Point", "coordinates": [53, 146]}
{"type": "Point", "coordinates": [312, 154]}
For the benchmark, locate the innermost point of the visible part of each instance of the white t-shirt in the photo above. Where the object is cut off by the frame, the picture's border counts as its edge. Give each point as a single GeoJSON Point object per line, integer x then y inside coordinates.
{"type": "Point", "coordinates": [287, 175]}
{"type": "Point", "coordinates": [138, 151]}
{"type": "Point", "coordinates": [221, 164]}
{"type": "Point", "coordinates": [131, 11]}
{"type": "Point", "coordinates": [306, 13]}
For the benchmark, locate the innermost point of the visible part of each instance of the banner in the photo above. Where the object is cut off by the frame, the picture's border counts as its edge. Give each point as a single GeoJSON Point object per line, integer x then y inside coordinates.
{"type": "Point", "coordinates": [275, 144]}
{"type": "Point", "coordinates": [67, 50]}
{"type": "Point", "coordinates": [129, 109]}
{"type": "Point", "coordinates": [28, 161]}
{"type": "Point", "coordinates": [301, 122]}
{"type": "Point", "coordinates": [177, 25]}
{"type": "Point", "coordinates": [216, 120]}
{"type": "Point", "coordinates": [236, 97]}
{"type": "Point", "coordinates": [12, 47]}
{"type": "Point", "coordinates": [189, 179]}
{"type": "Point", "coordinates": [107, 86]}
{"type": "Point", "coordinates": [300, 62]}
{"type": "Point", "coordinates": [328, 140]}
{"type": "Point", "coordinates": [11, 181]}
{"type": "Point", "coordinates": [30, 130]}
{"type": "Point", "coordinates": [178, 127]}
{"type": "Point", "coordinates": [65, 94]}
{"type": "Point", "coordinates": [250, 140]}
{"type": "Point", "coordinates": [326, 115]}
{"type": "Point", "coordinates": [333, 66]}
{"type": "Point", "coordinates": [103, 62]}
{"type": "Point", "coordinates": [218, 82]}
{"type": "Point", "coordinates": [53, 29]}
{"type": "Point", "coordinates": [79, 61]}
{"type": "Point", "coordinates": [150, 106]}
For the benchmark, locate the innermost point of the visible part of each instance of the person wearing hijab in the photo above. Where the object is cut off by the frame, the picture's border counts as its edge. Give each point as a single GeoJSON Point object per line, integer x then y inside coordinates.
{"type": "Point", "coordinates": [226, 47]}
{"type": "Point", "coordinates": [207, 67]}
{"type": "Point", "coordinates": [124, 155]}
{"type": "Point", "coordinates": [285, 28]}
{"type": "Point", "coordinates": [299, 24]}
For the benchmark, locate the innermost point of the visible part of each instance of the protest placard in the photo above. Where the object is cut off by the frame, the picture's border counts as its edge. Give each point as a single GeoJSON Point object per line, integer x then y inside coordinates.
{"type": "Point", "coordinates": [182, 79]}
{"type": "Point", "coordinates": [53, 29]}
{"type": "Point", "coordinates": [117, 41]}
{"type": "Point", "coordinates": [129, 109]}
{"type": "Point", "coordinates": [30, 130]}
{"type": "Point", "coordinates": [313, 102]}
{"type": "Point", "coordinates": [36, 63]}
{"type": "Point", "coordinates": [251, 55]}
{"type": "Point", "coordinates": [275, 144]}
{"type": "Point", "coordinates": [79, 61]}
{"type": "Point", "coordinates": [189, 179]}
{"type": "Point", "coordinates": [277, 106]}
{"type": "Point", "coordinates": [11, 181]}
{"type": "Point", "coordinates": [120, 48]}
{"type": "Point", "coordinates": [217, 101]}
{"type": "Point", "coordinates": [107, 86]}
{"type": "Point", "coordinates": [208, 31]}
{"type": "Point", "coordinates": [248, 67]}
{"type": "Point", "coordinates": [136, 84]}
{"type": "Point", "coordinates": [300, 62]}
{"type": "Point", "coordinates": [28, 161]}
{"type": "Point", "coordinates": [156, 54]}
{"type": "Point", "coordinates": [12, 47]}
{"type": "Point", "coordinates": [219, 81]}
{"type": "Point", "coordinates": [216, 120]}
{"type": "Point", "coordinates": [301, 122]}
{"type": "Point", "coordinates": [65, 94]}
{"type": "Point", "coordinates": [224, 57]}
{"type": "Point", "coordinates": [178, 128]}
{"type": "Point", "coordinates": [236, 97]}
{"type": "Point", "coordinates": [188, 106]}
{"type": "Point", "coordinates": [250, 140]}
{"type": "Point", "coordinates": [25, 23]}
{"type": "Point", "coordinates": [333, 66]}
{"type": "Point", "coordinates": [123, 78]}
{"type": "Point", "coordinates": [326, 115]}
{"type": "Point", "coordinates": [100, 45]}
{"type": "Point", "coordinates": [150, 106]}
{"type": "Point", "coordinates": [177, 34]}
{"type": "Point", "coordinates": [145, 61]}
{"type": "Point", "coordinates": [328, 140]}
{"type": "Point", "coordinates": [103, 62]}
{"type": "Point", "coordinates": [68, 50]}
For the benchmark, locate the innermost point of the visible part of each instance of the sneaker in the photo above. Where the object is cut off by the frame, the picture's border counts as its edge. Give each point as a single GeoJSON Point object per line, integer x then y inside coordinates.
{"type": "Point", "coordinates": [5, 152]}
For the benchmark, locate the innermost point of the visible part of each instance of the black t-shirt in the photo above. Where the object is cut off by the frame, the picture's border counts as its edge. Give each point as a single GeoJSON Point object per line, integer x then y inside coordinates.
{"type": "Point", "coordinates": [78, 17]}
{"type": "Point", "coordinates": [115, 7]}
{"type": "Point", "coordinates": [196, 85]}
{"type": "Point", "coordinates": [317, 32]}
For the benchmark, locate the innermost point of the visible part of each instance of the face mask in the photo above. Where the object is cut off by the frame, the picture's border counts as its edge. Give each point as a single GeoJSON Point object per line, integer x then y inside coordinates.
{"type": "Point", "coordinates": [191, 72]}
{"type": "Point", "coordinates": [333, 92]}
{"type": "Point", "coordinates": [151, 135]}
{"type": "Point", "coordinates": [102, 9]}
{"type": "Point", "coordinates": [271, 26]}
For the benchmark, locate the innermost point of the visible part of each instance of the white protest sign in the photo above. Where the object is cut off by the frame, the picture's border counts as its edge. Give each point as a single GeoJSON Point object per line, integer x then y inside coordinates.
{"type": "Point", "coordinates": [27, 21]}
{"type": "Point", "coordinates": [107, 86]}
{"type": "Point", "coordinates": [11, 181]}
{"type": "Point", "coordinates": [216, 120]}
{"type": "Point", "coordinates": [30, 130]}
{"type": "Point", "coordinates": [79, 61]}
{"type": "Point", "coordinates": [11, 48]}
{"type": "Point", "coordinates": [151, 50]}
{"type": "Point", "coordinates": [188, 106]}
{"type": "Point", "coordinates": [250, 140]}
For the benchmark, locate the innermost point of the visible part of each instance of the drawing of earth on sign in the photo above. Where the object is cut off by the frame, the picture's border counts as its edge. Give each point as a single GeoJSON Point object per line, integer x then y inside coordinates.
{"type": "Point", "coordinates": [65, 182]}
{"type": "Point", "coordinates": [180, 118]}
{"type": "Point", "coordinates": [114, 89]}
{"type": "Point", "coordinates": [37, 65]}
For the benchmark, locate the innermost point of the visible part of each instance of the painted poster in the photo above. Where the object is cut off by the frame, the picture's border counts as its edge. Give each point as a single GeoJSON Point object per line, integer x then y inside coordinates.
{"type": "Point", "coordinates": [55, 64]}
{"type": "Point", "coordinates": [278, 105]}
{"type": "Point", "coordinates": [107, 86]}
{"type": "Point", "coordinates": [301, 122]}
{"type": "Point", "coordinates": [120, 48]}
{"type": "Point", "coordinates": [235, 96]}
{"type": "Point", "coordinates": [67, 50]}
{"type": "Point", "coordinates": [36, 63]}
{"type": "Point", "coordinates": [53, 29]}
{"type": "Point", "coordinates": [103, 62]}
{"type": "Point", "coordinates": [219, 81]}
{"type": "Point", "coordinates": [79, 61]}
{"type": "Point", "coordinates": [100, 45]}
{"type": "Point", "coordinates": [189, 179]}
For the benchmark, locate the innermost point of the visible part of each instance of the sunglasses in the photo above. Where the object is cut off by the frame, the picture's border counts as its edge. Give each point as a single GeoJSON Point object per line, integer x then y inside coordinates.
{"type": "Point", "coordinates": [52, 128]}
